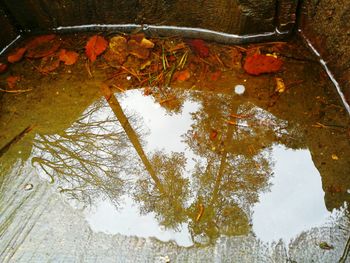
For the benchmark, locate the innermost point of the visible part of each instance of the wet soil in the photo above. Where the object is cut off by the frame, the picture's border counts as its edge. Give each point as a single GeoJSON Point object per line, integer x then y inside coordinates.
{"type": "Point", "coordinates": [177, 162]}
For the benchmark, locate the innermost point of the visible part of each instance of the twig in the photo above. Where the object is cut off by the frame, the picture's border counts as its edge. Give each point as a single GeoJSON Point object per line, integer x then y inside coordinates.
{"type": "Point", "coordinates": [15, 91]}
{"type": "Point", "coordinates": [16, 139]}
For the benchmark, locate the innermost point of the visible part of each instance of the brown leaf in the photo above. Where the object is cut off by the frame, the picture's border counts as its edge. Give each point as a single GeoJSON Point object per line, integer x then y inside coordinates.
{"type": "Point", "coordinates": [95, 46]}
{"type": "Point", "coordinates": [3, 67]}
{"type": "Point", "coordinates": [258, 64]}
{"type": "Point", "coordinates": [42, 46]}
{"type": "Point", "coordinates": [12, 81]}
{"type": "Point", "coordinates": [117, 52]}
{"type": "Point", "coordinates": [199, 47]}
{"type": "Point", "coordinates": [17, 55]}
{"type": "Point", "coordinates": [182, 75]}
{"type": "Point", "coordinates": [137, 50]}
{"type": "Point", "coordinates": [146, 43]}
{"type": "Point", "coordinates": [215, 75]}
{"type": "Point", "coordinates": [68, 57]}
{"type": "Point", "coordinates": [49, 64]}
{"type": "Point", "coordinates": [213, 135]}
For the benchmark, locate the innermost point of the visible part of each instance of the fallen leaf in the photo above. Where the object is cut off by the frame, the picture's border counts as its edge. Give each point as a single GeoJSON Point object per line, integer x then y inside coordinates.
{"type": "Point", "coordinates": [42, 46]}
{"type": "Point", "coordinates": [325, 246]}
{"type": "Point", "coordinates": [118, 44]}
{"type": "Point", "coordinates": [280, 87]}
{"type": "Point", "coordinates": [137, 50]}
{"type": "Point", "coordinates": [147, 43]}
{"type": "Point", "coordinates": [213, 135]}
{"type": "Point", "coordinates": [17, 55]}
{"type": "Point", "coordinates": [200, 213]}
{"type": "Point", "coordinates": [49, 64]}
{"type": "Point", "coordinates": [3, 67]}
{"type": "Point", "coordinates": [117, 52]}
{"type": "Point", "coordinates": [68, 57]}
{"type": "Point", "coordinates": [12, 81]}
{"type": "Point", "coordinates": [258, 64]}
{"type": "Point", "coordinates": [182, 75]}
{"type": "Point", "coordinates": [95, 46]}
{"type": "Point", "coordinates": [199, 47]}
{"type": "Point", "coordinates": [215, 75]}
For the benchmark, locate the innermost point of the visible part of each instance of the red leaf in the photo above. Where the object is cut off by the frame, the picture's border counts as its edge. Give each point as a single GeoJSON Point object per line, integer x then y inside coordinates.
{"type": "Point", "coordinates": [12, 81]}
{"type": "Point", "coordinates": [68, 57]}
{"type": "Point", "coordinates": [95, 47]}
{"type": "Point", "coordinates": [16, 56]}
{"type": "Point", "coordinates": [213, 135]}
{"type": "Point", "coordinates": [42, 46]}
{"type": "Point", "coordinates": [199, 47]}
{"type": "Point", "coordinates": [258, 64]}
{"type": "Point", "coordinates": [182, 75]}
{"type": "Point", "coordinates": [215, 75]}
{"type": "Point", "coordinates": [3, 67]}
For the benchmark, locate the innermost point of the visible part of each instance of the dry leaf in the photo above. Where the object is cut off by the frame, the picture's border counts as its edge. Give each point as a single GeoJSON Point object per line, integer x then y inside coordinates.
{"type": "Point", "coordinates": [199, 47]}
{"type": "Point", "coordinates": [182, 75]}
{"type": "Point", "coordinates": [117, 52]}
{"type": "Point", "coordinates": [12, 81]}
{"type": "Point", "coordinates": [147, 43]}
{"type": "Point", "coordinates": [95, 47]}
{"type": "Point", "coordinates": [215, 75]}
{"type": "Point", "coordinates": [280, 87]}
{"type": "Point", "coordinates": [42, 46]}
{"type": "Point", "coordinates": [258, 64]}
{"type": "Point", "coordinates": [137, 50]}
{"type": "Point", "coordinates": [16, 56]}
{"type": "Point", "coordinates": [3, 67]}
{"type": "Point", "coordinates": [68, 57]}
{"type": "Point", "coordinates": [213, 135]}
{"type": "Point", "coordinates": [49, 64]}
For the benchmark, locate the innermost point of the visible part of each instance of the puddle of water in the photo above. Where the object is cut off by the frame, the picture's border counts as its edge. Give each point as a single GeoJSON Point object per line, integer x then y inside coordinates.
{"type": "Point", "coordinates": [207, 169]}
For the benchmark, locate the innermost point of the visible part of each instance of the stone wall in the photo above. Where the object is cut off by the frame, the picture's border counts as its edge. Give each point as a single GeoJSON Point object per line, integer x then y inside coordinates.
{"type": "Point", "coordinates": [326, 24]}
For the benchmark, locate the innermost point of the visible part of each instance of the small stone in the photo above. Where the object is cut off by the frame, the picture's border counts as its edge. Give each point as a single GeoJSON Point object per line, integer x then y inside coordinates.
{"type": "Point", "coordinates": [28, 187]}
{"type": "Point", "coordinates": [335, 157]}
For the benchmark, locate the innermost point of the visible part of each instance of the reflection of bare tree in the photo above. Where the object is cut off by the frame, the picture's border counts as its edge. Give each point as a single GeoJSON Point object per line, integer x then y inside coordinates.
{"type": "Point", "coordinates": [166, 191]}
{"type": "Point", "coordinates": [88, 159]}
{"type": "Point", "coordinates": [169, 206]}
{"type": "Point", "coordinates": [231, 170]}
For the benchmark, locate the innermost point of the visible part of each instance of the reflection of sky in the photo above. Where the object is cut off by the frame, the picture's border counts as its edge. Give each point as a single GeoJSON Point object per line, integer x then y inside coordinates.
{"type": "Point", "coordinates": [165, 133]}
{"type": "Point", "coordinates": [295, 202]}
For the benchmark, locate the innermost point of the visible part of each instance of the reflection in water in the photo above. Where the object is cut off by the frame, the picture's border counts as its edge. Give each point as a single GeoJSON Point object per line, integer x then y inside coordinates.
{"type": "Point", "coordinates": [211, 182]}
{"type": "Point", "coordinates": [88, 159]}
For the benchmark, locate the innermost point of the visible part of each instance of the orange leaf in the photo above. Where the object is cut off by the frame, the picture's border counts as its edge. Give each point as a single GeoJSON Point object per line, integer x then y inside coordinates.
{"type": "Point", "coordinates": [42, 46]}
{"type": "Point", "coordinates": [199, 47]}
{"type": "Point", "coordinates": [49, 64]}
{"type": "Point", "coordinates": [68, 57]}
{"type": "Point", "coordinates": [16, 56]}
{"type": "Point", "coordinates": [215, 75]}
{"type": "Point", "coordinates": [258, 64]}
{"type": "Point", "coordinates": [3, 67]}
{"type": "Point", "coordinates": [95, 46]}
{"type": "Point", "coordinates": [12, 81]}
{"type": "Point", "coordinates": [213, 135]}
{"type": "Point", "coordinates": [182, 75]}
